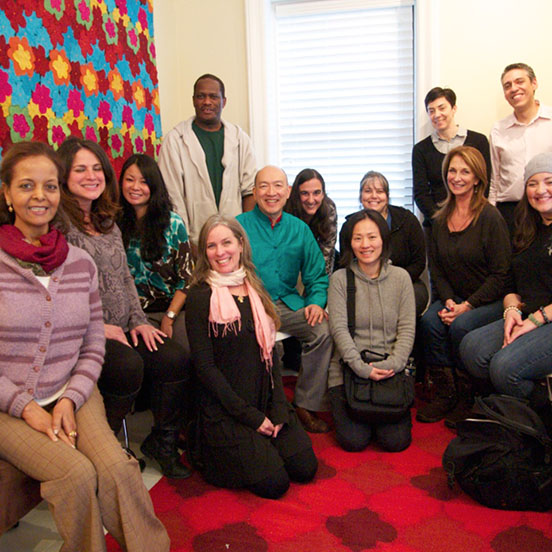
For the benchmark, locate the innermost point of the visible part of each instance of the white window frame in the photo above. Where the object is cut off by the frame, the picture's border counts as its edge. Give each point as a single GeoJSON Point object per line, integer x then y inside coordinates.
{"type": "Point", "coordinates": [260, 26]}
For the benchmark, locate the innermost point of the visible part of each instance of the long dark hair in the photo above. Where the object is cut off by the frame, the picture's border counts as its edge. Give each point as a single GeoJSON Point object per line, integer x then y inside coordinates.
{"type": "Point", "coordinates": [526, 221]}
{"type": "Point", "coordinates": [19, 152]}
{"type": "Point", "coordinates": [320, 221]}
{"type": "Point", "coordinates": [150, 229]}
{"type": "Point", "coordinates": [347, 254]}
{"type": "Point", "coordinates": [104, 209]}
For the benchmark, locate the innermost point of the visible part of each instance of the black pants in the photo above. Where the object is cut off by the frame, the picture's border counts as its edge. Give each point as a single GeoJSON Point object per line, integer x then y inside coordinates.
{"type": "Point", "coordinates": [127, 369]}
{"type": "Point", "coordinates": [506, 209]}
{"type": "Point", "coordinates": [300, 468]}
{"type": "Point", "coordinates": [421, 297]}
{"type": "Point", "coordinates": [355, 436]}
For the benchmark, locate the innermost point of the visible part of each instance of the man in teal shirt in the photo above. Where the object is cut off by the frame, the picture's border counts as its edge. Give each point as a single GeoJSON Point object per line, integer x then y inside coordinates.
{"type": "Point", "coordinates": [284, 249]}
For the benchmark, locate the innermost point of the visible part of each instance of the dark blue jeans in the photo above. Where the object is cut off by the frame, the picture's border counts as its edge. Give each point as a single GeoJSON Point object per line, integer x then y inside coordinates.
{"type": "Point", "coordinates": [441, 343]}
{"type": "Point", "coordinates": [513, 368]}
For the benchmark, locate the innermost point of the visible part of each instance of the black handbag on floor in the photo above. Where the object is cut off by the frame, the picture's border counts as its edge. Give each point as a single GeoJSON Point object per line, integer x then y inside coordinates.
{"type": "Point", "coordinates": [502, 456]}
{"type": "Point", "coordinates": [371, 401]}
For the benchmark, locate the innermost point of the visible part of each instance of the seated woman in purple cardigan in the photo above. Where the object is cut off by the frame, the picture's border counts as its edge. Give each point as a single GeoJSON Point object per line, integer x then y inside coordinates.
{"type": "Point", "coordinates": [52, 419]}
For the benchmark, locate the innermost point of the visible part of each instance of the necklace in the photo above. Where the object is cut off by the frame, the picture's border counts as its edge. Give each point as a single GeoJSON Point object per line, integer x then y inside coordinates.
{"type": "Point", "coordinates": [463, 222]}
{"type": "Point", "coordinates": [240, 294]}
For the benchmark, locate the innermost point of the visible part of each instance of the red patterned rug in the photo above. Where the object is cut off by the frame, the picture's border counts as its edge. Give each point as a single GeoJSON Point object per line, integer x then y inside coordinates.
{"type": "Point", "coordinates": [368, 501]}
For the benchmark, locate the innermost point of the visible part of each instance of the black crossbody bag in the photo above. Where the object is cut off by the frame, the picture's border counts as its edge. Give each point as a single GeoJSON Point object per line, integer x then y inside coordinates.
{"type": "Point", "coordinates": [371, 401]}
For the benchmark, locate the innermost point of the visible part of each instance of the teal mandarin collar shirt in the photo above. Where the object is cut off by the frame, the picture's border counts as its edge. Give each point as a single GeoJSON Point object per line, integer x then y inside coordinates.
{"type": "Point", "coordinates": [283, 253]}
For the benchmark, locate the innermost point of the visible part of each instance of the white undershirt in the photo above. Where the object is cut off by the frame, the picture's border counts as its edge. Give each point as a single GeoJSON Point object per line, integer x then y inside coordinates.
{"type": "Point", "coordinates": [52, 398]}
{"type": "Point", "coordinates": [44, 280]}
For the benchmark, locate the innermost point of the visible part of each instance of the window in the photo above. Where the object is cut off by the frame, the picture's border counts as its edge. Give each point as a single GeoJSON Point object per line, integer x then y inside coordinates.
{"type": "Point", "coordinates": [339, 93]}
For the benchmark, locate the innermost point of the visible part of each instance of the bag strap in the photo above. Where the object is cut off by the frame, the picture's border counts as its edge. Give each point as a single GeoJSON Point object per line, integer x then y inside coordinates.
{"type": "Point", "coordinates": [351, 306]}
{"type": "Point", "coordinates": [512, 424]}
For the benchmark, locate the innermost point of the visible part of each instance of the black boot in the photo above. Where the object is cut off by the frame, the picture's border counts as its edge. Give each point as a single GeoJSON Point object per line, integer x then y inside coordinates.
{"type": "Point", "coordinates": [160, 444]}
{"type": "Point", "coordinates": [444, 397]}
{"type": "Point", "coordinates": [466, 399]}
{"type": "Point", "coordinates": [116, 408]}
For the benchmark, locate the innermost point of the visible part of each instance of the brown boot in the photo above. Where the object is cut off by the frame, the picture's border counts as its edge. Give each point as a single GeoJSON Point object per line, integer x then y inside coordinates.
{"type": "Point", "coordinates": [444, 397]}
{"type": "Point", "coordinates": [310, 421]}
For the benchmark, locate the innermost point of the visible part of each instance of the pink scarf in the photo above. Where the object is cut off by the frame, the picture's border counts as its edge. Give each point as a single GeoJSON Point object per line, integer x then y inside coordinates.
{"type": "Point", "coordinates": [223, 310]}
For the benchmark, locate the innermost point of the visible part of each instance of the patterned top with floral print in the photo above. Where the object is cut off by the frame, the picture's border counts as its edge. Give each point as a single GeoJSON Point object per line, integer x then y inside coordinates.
{"type": "Point", "coordinates": [157, 282]}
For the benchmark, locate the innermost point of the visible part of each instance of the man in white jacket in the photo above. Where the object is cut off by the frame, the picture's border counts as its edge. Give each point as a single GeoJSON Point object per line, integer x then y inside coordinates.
{"type": "Point", "coordinates": [208, 164]}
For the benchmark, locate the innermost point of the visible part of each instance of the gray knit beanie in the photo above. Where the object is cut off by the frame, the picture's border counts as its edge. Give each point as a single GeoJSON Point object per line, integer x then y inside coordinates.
{"type": "Point", "coordinates": [541, 163]}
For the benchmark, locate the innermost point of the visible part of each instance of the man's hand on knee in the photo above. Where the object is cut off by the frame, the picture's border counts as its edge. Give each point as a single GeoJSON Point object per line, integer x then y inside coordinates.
{"type": "Point", "coordinates": [315, 315]}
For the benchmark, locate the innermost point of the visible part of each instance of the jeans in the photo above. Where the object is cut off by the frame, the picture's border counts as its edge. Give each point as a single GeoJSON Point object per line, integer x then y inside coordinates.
{"type": "Point", "coordinates": [513, 368]}
{"type": "Point", "coordinates": [441, 343]}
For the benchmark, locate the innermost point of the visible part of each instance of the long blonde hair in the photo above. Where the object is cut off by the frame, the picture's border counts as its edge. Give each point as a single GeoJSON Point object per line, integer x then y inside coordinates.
{"type": "Point", "coordinates": [475, 161]}
{"type": "Point", "coordinates": [202, 266]}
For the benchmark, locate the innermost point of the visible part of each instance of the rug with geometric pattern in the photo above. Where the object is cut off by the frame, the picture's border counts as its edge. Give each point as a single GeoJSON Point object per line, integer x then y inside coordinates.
{"type": "Point", "coordinates": [369, 501]}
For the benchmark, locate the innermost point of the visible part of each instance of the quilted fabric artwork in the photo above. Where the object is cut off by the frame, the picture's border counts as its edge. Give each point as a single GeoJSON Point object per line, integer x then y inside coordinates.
{"type": "Point", "coordinates": [79, 67]}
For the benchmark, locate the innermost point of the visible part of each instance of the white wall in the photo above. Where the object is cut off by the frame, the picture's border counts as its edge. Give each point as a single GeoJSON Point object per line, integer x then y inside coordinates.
{"type": "Point", "coordinates": [463, 44]}
{"type": "Point", "coordinates": [473, 41]}
{"type": "Point", "coordinates": [193, 37]}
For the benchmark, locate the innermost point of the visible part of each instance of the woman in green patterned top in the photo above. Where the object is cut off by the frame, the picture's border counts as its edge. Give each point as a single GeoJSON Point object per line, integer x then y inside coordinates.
{"type": "Point", "coordinates": [157, 246]}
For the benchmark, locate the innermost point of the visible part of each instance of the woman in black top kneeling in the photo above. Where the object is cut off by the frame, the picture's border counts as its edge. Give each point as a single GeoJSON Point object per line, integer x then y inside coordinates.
{"type": "Point", "coordinates": [249, 434]}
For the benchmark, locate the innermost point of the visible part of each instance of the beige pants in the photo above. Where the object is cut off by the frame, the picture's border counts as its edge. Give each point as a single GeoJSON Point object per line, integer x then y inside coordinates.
{"type": "Point", "coordinates": [86, 489]}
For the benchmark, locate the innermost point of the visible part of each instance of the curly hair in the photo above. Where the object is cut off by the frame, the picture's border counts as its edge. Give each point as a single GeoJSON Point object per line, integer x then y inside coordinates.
{"type": "Point", "coordinates": [150, 229]}
{"type": "Point", "coordinates": [104, 209]}
{"type": "Point", "coordinates": [202, 266]}
{"type": "Point", "coordinates": [19, 152]}
{"type": "Point", "coordinates": [319, 223]}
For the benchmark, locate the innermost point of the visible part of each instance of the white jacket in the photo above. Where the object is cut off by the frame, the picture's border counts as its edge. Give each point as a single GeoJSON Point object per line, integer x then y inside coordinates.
{"type": "Point", "coordinates": [182, 163]}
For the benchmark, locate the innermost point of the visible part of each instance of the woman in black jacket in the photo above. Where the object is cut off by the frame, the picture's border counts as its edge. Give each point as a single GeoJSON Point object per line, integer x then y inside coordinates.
{"type": "Point", "coordinates": [407, 238]}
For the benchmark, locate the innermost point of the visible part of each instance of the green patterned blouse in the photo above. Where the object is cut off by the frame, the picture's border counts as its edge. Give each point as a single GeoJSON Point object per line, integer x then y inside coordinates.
{"type": "Point", "coordinates": [157, 282]}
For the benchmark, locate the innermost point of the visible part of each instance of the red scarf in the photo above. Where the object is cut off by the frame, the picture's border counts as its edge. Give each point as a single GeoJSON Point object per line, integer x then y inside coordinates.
{"type": "Point", "coordinates": [49, 255]}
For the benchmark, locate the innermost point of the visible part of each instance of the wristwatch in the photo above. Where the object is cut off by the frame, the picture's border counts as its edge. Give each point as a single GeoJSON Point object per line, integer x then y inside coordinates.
{"type": "Point", "coordinates": [171, 314]}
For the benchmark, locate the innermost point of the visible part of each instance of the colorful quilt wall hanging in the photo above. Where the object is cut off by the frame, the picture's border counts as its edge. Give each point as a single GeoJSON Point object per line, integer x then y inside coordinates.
{"type": "Point", "coordinates": [80, 67]}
